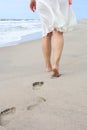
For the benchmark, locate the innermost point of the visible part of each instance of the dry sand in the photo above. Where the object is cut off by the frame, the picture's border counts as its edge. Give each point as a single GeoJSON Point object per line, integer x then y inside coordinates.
{"type": "Point", "coordinates": [59, 103]}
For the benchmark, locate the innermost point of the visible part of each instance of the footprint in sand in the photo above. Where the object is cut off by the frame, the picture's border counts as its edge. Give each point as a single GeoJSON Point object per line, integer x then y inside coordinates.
{"type": "Point", "coordinates": [36, 103]}
{"type": "Point", "coordinates": [37, 85]}
{"type": "Point", "coordinates": [6, 115]}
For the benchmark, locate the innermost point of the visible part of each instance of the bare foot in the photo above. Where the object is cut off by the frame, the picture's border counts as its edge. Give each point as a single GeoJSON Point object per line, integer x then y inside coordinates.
{"type": "Point", "coordinates": [55, 73]}
{"type": "Point", "coordinates": [48, 69]}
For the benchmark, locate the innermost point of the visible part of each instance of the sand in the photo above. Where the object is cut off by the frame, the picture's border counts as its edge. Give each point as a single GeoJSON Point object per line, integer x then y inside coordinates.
{"type": "Point", "coordinates": [53, 104]}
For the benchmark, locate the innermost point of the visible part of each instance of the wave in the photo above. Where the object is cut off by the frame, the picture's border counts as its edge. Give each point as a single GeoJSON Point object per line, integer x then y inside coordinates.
{"type": "Point", "coordinates": [13, 30]}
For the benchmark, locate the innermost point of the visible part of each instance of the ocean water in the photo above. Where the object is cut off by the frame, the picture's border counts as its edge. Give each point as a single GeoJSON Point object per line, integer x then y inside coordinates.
{"type": "Point", "coordinates": [14, 31]}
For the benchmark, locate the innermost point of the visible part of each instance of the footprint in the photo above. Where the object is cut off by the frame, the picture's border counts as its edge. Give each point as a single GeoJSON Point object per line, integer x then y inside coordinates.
{"type": "Point", "coordinates": [38, 102]}
{"type": "Point", "coordinates": [6, 115]}
{"type": "Point", "coordinates": [8, 111]}
{"type": "Point", "coordinates": [37, 85]}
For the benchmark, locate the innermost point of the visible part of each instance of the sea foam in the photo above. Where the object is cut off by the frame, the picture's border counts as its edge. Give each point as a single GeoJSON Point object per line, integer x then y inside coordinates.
{"type": "Point", "coordinates": [13, 30]}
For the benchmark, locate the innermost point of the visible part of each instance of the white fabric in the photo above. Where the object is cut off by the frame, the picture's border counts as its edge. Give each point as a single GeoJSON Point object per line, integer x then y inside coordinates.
{"type": "Point", "coordinates": [55, 14]}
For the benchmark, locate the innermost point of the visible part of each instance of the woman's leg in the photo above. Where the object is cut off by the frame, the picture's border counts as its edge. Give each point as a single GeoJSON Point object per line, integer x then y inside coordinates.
{"type": "Point", "coordinates": [57, 50]}
{"type": "Point", "coordinates": [46, 47]}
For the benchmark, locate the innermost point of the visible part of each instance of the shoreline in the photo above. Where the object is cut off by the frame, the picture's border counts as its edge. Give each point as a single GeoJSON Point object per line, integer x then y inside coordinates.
{"type": "Point", "coordinates": [37, 35]}
{"type": "Point", "coordinates": [26, 38]}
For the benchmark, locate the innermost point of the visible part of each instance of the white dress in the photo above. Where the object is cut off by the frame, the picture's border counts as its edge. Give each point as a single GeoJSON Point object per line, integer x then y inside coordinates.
{"type": "Point", "coordinates": [55, 14]}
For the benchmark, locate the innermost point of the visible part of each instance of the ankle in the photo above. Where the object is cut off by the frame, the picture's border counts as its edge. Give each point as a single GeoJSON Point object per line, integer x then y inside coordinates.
{"type": "Point", "coordinates": [48, 67]}
{"type": "Point", "coordinates": [55, 66]}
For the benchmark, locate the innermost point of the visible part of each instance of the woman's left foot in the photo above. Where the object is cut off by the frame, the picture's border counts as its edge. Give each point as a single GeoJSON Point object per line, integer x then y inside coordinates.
{"type": "Point", "coordinates": [48, 69]}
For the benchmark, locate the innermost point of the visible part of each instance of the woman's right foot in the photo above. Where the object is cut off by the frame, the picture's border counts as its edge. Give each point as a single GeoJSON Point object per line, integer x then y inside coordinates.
{"type": "Point", "coordinates": [55, 73]}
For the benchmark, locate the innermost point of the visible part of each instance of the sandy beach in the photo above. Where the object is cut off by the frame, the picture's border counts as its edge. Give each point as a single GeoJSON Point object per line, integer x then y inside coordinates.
{"type": "Point", "coordinates": [31, 100]}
